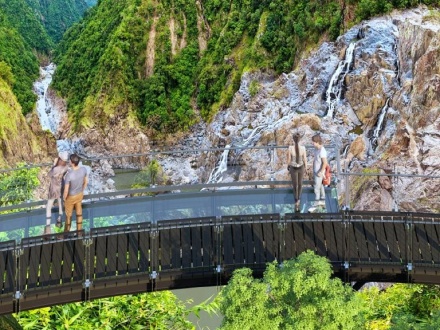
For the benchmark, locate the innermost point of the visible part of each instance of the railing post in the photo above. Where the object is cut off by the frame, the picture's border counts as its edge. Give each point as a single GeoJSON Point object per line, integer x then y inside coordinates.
{"type": "Point", "coordinates": [345, 265]}
{"type": "Point", "coordinates": [87, 241]}
{"type": "Point", "coordinates": [218, 230]}
{"type": "Point", "coordinates": [154, 261]}
{"type": "Point", "coordinates": [18, 252]}
{"type": "Point", "coordinates": [282, 242]}
{"type": "Point", "coordinates": [409, 226]}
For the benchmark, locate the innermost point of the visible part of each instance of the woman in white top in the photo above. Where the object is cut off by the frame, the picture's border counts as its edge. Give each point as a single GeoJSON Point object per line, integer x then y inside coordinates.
{"type": "Point", "coordinates": [297, 167]}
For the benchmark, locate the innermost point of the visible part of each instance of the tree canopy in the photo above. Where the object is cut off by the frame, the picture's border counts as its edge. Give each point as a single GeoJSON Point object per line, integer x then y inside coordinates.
{"type": "Point", "coordinates": [298, 294]}
{"type": "Point", "coordinates": [172, 63]}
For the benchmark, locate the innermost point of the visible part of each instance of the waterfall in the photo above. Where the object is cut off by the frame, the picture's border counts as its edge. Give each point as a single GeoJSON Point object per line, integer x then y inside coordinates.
{"type": "Point", "coordinates": [334, 91]}
{"type": "Point", "coordinates": [217, 173]}
{"type": "Point", "coordinates": [49, 118]}
{"type": "Point", "coordinates": [253, 134]}
{"type": "Point", "coordinates": [379, 125]}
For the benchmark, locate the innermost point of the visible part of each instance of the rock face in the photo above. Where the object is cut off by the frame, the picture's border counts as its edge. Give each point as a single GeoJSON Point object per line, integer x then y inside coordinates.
{"type": "Point", "coordinates": [385, 120]}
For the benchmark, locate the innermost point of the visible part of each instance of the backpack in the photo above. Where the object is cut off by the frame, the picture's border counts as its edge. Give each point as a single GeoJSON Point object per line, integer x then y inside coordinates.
{"type": "Point", "coordinates": [327, 176]}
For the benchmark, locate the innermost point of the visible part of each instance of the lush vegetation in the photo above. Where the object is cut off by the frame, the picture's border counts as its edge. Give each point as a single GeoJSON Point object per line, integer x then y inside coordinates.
{"type": "Point", "coordinates": [148, 59]}
{"type": "Point", "coordinates": [24, 20]}
{"type": "Point", "coordinates": [150, 175]}
{"type": "Point", "coordinates": [18, 186]}
{"type": "Point", "coordinates": [18, 64]}
{"type": "Point", "coordinates": [156, 310]}
{"type": "Point", "coordinates": [301, 294]}
{"type": "Point", "coordinates": [402, 307]}
{"type": "Point", "coordinates": [28, 29]}
{"type": "Point", "coordinates": [58, 15]}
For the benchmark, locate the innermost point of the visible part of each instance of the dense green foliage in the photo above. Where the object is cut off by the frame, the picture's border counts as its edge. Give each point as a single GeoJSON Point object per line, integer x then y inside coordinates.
{"type": "Point", "coordinates": [299, 294]}
{"type": "Point", "coordinates": [58, 15]}
{"type": "Point", "coordinates": [156, 310]}
{"type": "Point", "coordinates": [28, 29]}
{"type": "Point", "coordinates": [18, 186]}
{"type": "Point", "coordinates": [402, 306]}
{"type": "Point", "coordinates": [19, 62]}
{"type": "Point", "coordinates": [23, 19]}
{"type": "Point", "coordinates": [109, 67]}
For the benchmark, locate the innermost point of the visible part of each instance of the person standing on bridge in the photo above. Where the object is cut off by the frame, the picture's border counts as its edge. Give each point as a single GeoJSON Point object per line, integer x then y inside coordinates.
{"type": "Point", "coordinates": [319, 164]}
{"type": "Point", "coordinates": [297, 166]}
{"type": "Point", "coordinates": [75, 184]}
{"type": "Point", "coordinates": [56, 176]}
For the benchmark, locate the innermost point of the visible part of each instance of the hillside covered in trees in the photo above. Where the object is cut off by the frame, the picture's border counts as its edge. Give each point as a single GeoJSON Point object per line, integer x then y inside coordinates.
{"type": "Point", "coordinates": [173, 63]}
{"type": "Point", "coordinates": [29, 30]}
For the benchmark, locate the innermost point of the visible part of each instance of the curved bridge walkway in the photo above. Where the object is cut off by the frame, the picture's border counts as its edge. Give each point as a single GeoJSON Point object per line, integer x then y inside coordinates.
{"type": "Point", "coordinates": [136, 244]}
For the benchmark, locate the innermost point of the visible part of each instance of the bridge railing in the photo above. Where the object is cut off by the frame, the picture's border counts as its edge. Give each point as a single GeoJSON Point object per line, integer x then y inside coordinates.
{"type": "Point", "coordinates": [19, 188]}
{"type": "Point", "coordinates": [270, 196]}
{"type": "Point", "coordinates": [170, 254]}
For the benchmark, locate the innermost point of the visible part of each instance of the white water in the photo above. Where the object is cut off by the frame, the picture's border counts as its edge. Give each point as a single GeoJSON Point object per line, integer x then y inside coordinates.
{"type": "Point", "coordinates": [49, 117]}
{"type": "Point", "coordinates": [379, 126]}
{"type": "Point", "coordinates": [216, 175]}
{"type": "Point", "coordinates": [334, 90]}
{"type": "Point", "coordinates": [383, 112]}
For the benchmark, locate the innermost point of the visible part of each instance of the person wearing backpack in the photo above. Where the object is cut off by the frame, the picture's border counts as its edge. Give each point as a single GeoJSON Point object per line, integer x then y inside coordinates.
{"type": "Point", "coordinates": [319, 165]}
{"type": "Point", "coordinates": [297, 166]}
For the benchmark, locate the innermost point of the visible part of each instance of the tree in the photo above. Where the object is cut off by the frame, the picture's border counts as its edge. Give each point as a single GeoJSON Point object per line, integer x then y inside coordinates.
{"type": "Point", "coordinates": [298, 294]}
{"type": "Point", "coordinates": [150, 175]}
{"type": "Point", "coordinates": [402, 306]}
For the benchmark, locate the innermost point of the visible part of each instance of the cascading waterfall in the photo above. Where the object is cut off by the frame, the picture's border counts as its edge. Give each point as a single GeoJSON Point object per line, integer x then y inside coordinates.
{"type": "Point", "coordinates": [49, 118]}
{"type": "Point", "coordinates": [380, 122]}
{"type": "Point", "coordinates": [217, 173]}
{"type": "Point", "coordinates": [334, 91]}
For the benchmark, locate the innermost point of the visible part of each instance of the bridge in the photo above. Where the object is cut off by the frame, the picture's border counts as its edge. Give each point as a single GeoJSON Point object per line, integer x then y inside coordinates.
{"type": "Point", "coordinates": [197, 236]}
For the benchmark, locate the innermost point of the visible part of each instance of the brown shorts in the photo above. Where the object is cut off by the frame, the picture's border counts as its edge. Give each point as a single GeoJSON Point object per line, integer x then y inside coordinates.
{"type": "Point", "coordinates": [73, 202]}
